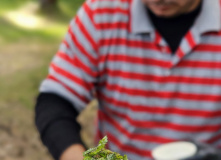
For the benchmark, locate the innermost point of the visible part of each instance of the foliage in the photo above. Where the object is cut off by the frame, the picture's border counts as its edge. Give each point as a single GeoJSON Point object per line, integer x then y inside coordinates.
{"type": "Point", "coordinates": [6, 5]}
{"type": "Point", "coordinates": [26, 53]}
{"type": "Point", "coordinates": [100, 153]}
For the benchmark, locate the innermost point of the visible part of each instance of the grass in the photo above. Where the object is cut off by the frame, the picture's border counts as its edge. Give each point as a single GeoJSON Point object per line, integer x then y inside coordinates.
{"type": "Point", "coordinates": [26, 53]}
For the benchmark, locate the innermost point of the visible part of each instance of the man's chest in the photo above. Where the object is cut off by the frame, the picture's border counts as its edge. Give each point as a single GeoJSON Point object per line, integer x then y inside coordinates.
{"type": "Point", "coordinates": [137, 71]}
{"type": "Point", "coordinates": [140, 59]}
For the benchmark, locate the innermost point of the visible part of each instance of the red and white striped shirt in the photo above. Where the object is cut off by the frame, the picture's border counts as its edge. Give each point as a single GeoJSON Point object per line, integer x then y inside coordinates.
{"type": "Point", "coordinates": [147, 96]}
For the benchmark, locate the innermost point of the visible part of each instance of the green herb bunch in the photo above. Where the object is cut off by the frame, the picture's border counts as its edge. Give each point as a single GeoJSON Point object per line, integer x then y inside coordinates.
{"type": "Point", "coordinates": [100, 153]}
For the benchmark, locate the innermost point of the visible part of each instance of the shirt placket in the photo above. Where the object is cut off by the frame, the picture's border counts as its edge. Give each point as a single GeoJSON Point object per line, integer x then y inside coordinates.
{"type": "Point", "coordinates": [166, 52]}
{"type": "Point", "coordinates": [188, 43]}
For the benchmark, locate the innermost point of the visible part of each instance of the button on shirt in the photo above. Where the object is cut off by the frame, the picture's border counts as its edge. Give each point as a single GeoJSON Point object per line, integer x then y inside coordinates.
{"type": "Point", "coordinates": [147, 96]}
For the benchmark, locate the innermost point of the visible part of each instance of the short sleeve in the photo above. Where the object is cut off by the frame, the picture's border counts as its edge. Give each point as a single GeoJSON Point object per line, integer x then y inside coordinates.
{"type": "Point", "coordinates": [73, 70]}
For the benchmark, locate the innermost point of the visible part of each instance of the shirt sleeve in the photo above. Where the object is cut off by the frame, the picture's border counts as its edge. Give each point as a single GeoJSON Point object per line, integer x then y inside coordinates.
{"type": "Point", "coordinates": [55, 119]}
{"type": "Point", "coordinates": [73, 70]}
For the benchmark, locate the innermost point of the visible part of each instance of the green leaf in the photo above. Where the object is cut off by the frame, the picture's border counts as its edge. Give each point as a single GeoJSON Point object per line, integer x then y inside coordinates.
{"type": "Point", "coordinates": [100, 153]}
{"type": "Point", "coordinates": [125, 157]}
{"type": "Point", "coordinates": [102, 143]}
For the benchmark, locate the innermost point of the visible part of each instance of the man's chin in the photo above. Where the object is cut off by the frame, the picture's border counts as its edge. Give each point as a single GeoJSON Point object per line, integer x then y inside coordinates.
{"type": "Point", "coordinates": [166, 14]}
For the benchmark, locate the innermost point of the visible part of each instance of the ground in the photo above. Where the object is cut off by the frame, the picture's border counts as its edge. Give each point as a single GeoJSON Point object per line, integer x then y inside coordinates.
{"type": "Point", "coordinates": [25, 54]}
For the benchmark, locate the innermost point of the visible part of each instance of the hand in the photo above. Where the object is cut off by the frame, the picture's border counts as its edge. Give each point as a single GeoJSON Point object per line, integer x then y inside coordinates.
{"type": "Point", "coordinates": [74, 152]}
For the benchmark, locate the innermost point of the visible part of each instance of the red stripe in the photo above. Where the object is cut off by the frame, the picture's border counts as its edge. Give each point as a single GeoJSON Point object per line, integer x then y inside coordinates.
{"type": "Point", "coordinates": [214, 139]}
{"type": "Point", "coordinates": [82, 48]}
{"type": "Point", "coordinates": [158, 38]}
{"type": "Point", "coordinates": [66, 43]}
{"type": "Point", "coordinates": [94, 1]}
{"type": "Point", "coordinates": [64, 57]}
{"type": "Point", "coordinates": [133, 136]}
{"type": "Point", "coordinates": [82, 83]}
{"type": "Point", "coordinates": [89, 13]}
{"type": "Point", "coordinates": [128, 43]}
{"type": "Point", "coordinates": [130, 149]}
{"type": "Point", "coordinates": [166, 125]}
{"type": "Point", "coordinates": [170, 110]}
{"type": "Point", "coordinates": [110, 11]}
{"type": "Point", "coordinates": [116, 25]}
{"type": "Point", "coordinates": [84, 67]}
{"type": "Point", "coordinates": [160, 79]}
{"type": "Point", "coordinates": [208, 48]}
{"type": "Point", "coordinates": [167, 50]}
{"type": "Point", "coordinates": [86, 34]}
{"type": "Point", "coordinates": [77, 63]}
{"type": "Point", "coordinates": [82, 98]}
{"type": "Point", "coordinates": [190, 39]}
{"type": "Point", "coordinates": [212, 33]}
{"type": "Point", "coordinates": [130, 17]}
{"type": "Point", "coordinates": [134, 60]}
{"type": "Point", "coordinates": [180, 52]}
{"type": "Point", "coordinates": [199, 64]}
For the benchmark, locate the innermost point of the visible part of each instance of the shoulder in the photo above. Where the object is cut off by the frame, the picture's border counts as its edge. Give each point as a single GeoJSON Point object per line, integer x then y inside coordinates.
{"type": "Point", "coordinates": [107, 13]}
{"type": "Point", "coordinates": [113, 4]}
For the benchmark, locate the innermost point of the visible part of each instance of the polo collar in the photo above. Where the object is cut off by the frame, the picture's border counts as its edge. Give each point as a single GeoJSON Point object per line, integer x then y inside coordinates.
{"type": "Point", "coordinates": [210, 17]}
{"type": "Point", "coordinates": [208, 20]}
{"type": "Point", "coordinates": [140, 20]}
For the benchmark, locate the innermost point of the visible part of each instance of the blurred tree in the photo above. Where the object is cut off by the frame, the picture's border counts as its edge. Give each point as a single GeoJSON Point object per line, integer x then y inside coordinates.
{"type": "Point", "coordinates": [48, 4]}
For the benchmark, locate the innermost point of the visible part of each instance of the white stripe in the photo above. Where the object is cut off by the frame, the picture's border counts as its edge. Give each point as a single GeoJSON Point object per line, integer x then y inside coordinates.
{"type": "Point", "coordinates": [109, 4]}
{"type": "Point", "coordinates": [110, 18]}
{"type": "Point", "coordinates": [160, 71]}
{"type": "Point", "coordinates": [80, 55]}
{"type": "Point", "coordinates": [164, 103]}
{"type": "Point", "coordinates": [134, 52]}
{"type": "Point", "coordinates": [50, 86]}
{"type": "Point", "coordinates": [197, 73]}
{"type": "Point", "coordinates": [170, 118]}
{"type": "Point", "coordinates": [89, 25]}
{"type": "Point", "coordinates": [210, 39]}
{"type": "Point", "coordinates": [204, 56]}
{"type": "Point", "coordinates": [83, 41]}
{"type": "Point", "coordinates": [63, 48]}
{"type": "Point", "coordinates": [158, 132]}
{"type": "Point", "coordinates": [177, 87]}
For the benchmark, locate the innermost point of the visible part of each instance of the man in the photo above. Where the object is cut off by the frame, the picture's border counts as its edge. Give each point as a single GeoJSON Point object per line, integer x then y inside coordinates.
{"type": "Point", "coordinates": [155, 68]}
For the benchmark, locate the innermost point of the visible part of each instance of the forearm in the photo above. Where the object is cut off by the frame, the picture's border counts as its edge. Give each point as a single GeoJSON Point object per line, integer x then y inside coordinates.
{"type": "Point", "coordinates": [57, 125]}
{"type": "Point", "coordinates": [74, 152]}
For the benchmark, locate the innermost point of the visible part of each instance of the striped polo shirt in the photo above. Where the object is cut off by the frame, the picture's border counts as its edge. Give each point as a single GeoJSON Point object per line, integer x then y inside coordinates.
{"type": "Point", "coordinates": [147, 95]}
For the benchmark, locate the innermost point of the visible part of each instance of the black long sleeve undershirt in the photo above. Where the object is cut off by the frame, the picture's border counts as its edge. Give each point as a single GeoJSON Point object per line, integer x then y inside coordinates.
{"type": "Point", "coordinates": [56, 122]}
{"type": "Point", "coordinates": [174, 29]}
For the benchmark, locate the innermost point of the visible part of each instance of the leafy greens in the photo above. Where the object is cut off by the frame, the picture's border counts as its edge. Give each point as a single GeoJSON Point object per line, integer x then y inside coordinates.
{"type": "Point", "coordinates": [100, 153]}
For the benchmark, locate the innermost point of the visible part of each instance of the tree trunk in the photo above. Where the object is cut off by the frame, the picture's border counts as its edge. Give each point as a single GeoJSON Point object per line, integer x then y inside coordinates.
{"type": "Point", "coordinates": [48, 4]}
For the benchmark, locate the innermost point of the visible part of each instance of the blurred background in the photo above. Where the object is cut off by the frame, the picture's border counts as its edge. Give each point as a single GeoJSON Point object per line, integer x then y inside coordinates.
{"type": "Point", "coordinates": [30, 34]}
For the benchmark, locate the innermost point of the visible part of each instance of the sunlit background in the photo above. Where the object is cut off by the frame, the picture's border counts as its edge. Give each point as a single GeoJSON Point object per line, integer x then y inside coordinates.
{"type": "Point", "coordinates": [30, 34]}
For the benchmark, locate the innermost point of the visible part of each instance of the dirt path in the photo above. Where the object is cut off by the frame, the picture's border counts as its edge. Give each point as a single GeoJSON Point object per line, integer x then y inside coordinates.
{"type": "Point", "coordinates": [19, 139]}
